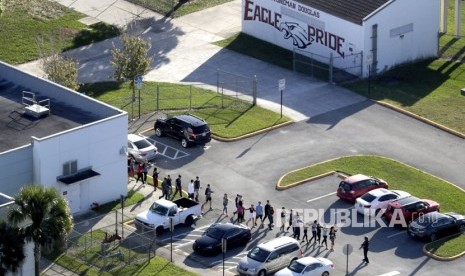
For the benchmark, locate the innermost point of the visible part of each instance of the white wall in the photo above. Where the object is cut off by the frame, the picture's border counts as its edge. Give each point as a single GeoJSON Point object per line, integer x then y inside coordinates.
{"type": "Point", "coordinates": [28, 264]}
{"type": "Point", "coordinates": [266, 20]}
{"type": "Point", "coordinates": [420, 43]}
{"type": "Point", "coordinates": [16, 169]}
{"type": "Point", "coordinates": [97, 145]}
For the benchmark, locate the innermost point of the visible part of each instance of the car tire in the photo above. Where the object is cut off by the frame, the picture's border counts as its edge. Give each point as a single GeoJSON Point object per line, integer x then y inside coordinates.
{"type": "Point", "coordinates": [189, 221]}
{"type": "Point", "coordinates": [433, 237]}
{"type": "Point", "coordinates": [326, 273]}
{"type": "Point", "coordinates": [184, 143]}
{"type": "Point", "coordinates": [262, 273]}
{"type": "Point", "coordinates": [462, 228]}
{"type": "Point", "coordinates": [158, 132]}
{"type": "Point", "coordinates": [159, 230]}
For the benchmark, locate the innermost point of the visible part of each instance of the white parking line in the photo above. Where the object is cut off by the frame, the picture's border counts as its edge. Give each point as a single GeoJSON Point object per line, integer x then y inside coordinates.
{"type": "Point", "coordinates": [396, 234]}
{"type": "Point", "coordinates": [392, 273]}
{"type": "Point", "coordinates": [179, 153]}
{"type": "Point", "coordinates": [320, 197]}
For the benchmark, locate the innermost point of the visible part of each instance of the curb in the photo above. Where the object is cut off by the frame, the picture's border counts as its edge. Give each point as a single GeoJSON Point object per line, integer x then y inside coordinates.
{"type": "Point", "coordinates": [223, 139]}
{"type": "Point", "coordinates": [422, 119]}
{"type": "Point", "coordinates": [292, 185]}
{"type": "Point", "coordinates": [439, 258]}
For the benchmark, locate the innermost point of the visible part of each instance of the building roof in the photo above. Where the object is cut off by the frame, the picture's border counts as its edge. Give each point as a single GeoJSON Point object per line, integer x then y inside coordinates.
{"type": "Point", "coordinates": [16, 128]}
{"type": "Point", "coordinates": [350, 10]}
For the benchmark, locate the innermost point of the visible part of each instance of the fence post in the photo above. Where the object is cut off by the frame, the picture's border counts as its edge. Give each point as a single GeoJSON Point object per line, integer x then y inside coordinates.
{"type": "Point", "coordinates": [254, 92]}
{"type": "Point", "coordinates": [217, 80]}
{"type": "Point", "coordinates": [293, 59]}
{"type": "Point", "coordinates": [361, 65]}
{"type": "Point", "coordinates": [222, 97]}
{"type": "Point", "coordinates": [190, 97]}
{"type": "Point", "coordinates": [331, 68]}
{"type": "Point", "coordinates": [158, 96]}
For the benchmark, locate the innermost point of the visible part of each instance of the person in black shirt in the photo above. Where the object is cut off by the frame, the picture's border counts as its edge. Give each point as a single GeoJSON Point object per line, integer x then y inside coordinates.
{"type": "Point", "coordinates": [178, 187]}
{"type": "Point", "coordinates": [196, 188]}
{"type": "Point", "coordinates": [365, 245]}
{"type": "Point", "coordinates": [155, 179]}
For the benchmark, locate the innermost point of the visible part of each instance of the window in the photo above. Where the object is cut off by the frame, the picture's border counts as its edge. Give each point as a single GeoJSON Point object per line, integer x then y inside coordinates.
{"type": "Point", "coordinates": [313, 267]}
{"type": "Point", "coordinates": [70, 167]}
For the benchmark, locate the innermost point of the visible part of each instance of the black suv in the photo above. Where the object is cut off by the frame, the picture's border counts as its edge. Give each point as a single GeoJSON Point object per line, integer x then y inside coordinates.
{"type": "Point", "coordinates": [190, 129]}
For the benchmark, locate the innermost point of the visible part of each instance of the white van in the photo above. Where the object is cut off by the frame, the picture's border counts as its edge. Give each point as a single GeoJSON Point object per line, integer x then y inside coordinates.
{"type": "Point", "coordinates": [270, 256]}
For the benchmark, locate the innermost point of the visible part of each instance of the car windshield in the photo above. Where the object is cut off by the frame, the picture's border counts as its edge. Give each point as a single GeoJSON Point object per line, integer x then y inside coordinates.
{"type": "Point", "coordinates": [159, 209]}
{"type": "Point", "coordinates": [368, 197]}
{"type": "Point", "coordinates": [142, 144]}
{"type": "Point", "coordinates": [215, 233]}
{"type": "Point", "coordinates": [200, 129]}
{"type": "Point", "coordinates": [296, 267]}
{"type": "Point", "coordinates": [345, 186]}
{"type": "Point", "coordinates": [258, 254]}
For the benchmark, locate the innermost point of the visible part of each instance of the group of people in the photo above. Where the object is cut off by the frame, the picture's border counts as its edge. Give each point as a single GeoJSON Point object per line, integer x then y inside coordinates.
{"type": "Point", "coordinates": [255, 213]}
{"type": "Point", "coordinates": [138, 170]}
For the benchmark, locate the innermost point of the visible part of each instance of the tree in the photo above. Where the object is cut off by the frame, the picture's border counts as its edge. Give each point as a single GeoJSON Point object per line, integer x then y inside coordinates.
{"type": "Point", "coordinates": [58, 69]}
{"type": "Point", "coordinates": [133, 60]}
{"type": "Point", "coordinates": [11, 248]}
{"type": "Point", "coordinates": [46, 215]}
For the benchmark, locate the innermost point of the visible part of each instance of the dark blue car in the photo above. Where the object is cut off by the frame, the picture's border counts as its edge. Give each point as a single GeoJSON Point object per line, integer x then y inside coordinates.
{"type": "Point", "coordinates": [210, 242]}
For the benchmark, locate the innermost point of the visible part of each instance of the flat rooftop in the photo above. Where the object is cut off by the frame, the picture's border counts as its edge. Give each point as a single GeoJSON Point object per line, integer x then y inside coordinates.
{"type": "Point", "coordinates": [16, 128]}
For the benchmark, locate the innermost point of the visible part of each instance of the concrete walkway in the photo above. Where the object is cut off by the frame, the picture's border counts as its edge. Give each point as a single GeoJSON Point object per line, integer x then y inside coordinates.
{"type": "Point", "coordinates": [184, 53]}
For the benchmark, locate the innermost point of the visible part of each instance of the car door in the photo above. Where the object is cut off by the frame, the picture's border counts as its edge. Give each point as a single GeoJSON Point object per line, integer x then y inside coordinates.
{"type": "Point", "coordinates": [313, 269]}
{"type": "Point", "coordinates": [385, 199]}
{"type": "Point", "coordinates": [273, 262]}
{"type": "Point", "coordinates": [170, 127]}
{"type": "Point", "coordinates": [233, 237]}
{"type": "Point", "coordinates": [419, 209]}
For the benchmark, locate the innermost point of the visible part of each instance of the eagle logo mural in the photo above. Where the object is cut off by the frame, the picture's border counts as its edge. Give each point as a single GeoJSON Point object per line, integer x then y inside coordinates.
{"type": "Point", "coordinates": [298, 35]}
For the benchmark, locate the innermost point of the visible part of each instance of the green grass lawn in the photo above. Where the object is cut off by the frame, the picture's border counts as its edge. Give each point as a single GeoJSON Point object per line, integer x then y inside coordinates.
{"type": "Point", "coordinates": [132, 198]}
{"type": "Point", "coordinates": [400, 177]}
{"type": "Point", "coordinates": [447, 247]}
{"type": "Point", "coordinates": [238, 119]}
{"type": "Point", "coordinates": [22, 31]}
{"type": "Point", "coordinates": [177, 8]}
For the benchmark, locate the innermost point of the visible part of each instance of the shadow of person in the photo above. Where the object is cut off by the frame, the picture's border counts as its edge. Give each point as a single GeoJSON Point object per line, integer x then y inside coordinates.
{"type": "Point", "coordinates": [355, 270]}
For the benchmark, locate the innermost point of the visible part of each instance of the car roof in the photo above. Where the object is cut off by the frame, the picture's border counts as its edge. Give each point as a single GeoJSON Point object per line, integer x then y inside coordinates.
{"type": "Point", "coordinates": [433, 216]}
{"type": "Point", "coordinates": [191, 119]}
{"type": "Point", "coordinates": [379, 192]}
{"type": "Point", "coordinates": [165, 203]}
{"type": "Point", "coordinates": [308, 260]}
{"type": "Point", "coordinates": [405, 201]}
{"type": "Point", "coordinates": [277, 243]}
{"type": "Point", "coordinates": [356, 178]}
{"type": "Point", "coordinates": [134, 137]}
{"type": "Point", "coordinates": [227, 226]}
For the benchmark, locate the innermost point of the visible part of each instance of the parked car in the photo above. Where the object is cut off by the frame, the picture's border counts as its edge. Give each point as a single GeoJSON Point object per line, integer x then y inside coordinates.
{"type": "Point", "coordinates": [140, 148]}
{"type": "Point", "coordinates": [210, 242]}
{"type": "Point", "coordinates": [410, 208]}
{"type": "Point", "coordinates": [308, 266]}
{"type": "Point", "coordinates": [270, 256]}
{"type": "Point", "coordinates": [182, 210]}
{"type": "Point", "coordinates": [357, 185]}
{"type": "Point", "coordinates": [189, 129]}
{"type": "Point", "coordinates": [435, 225]}
{"type": "Point", "coordinates": [377, 200]}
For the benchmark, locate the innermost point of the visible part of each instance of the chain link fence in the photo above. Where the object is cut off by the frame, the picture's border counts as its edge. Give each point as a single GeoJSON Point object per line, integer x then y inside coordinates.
{"type": "Point", "coordinates": [330, 69]}
{"type": "Point", "coordinates": [109, 244]}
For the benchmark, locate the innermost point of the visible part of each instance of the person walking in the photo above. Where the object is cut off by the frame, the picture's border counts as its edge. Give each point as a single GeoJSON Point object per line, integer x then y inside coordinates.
{"type": "Point", "coordinates": [164, 188]}
{"type": "Point", "coordinates": [190, 189]}
{"type": "Point", "coordinates": [251, 216]}
{"type": "Point", "coordinates": [283, 219]}
{"type": "Point", "coordinates": [225, 204]}
{"type": "Point", "coordinates": [324, 232]}
{"type": "Point", "coordinates": [314, 226]}
{"type": "Point", "coordinates": [155, 179]}
{"type": "Point", "coordinates": [297, 224]}
{"type": "Point", "coordinates": [240, 211]}
{"type": "Point", "coordinates": [332, 236]}
{"type": "Point", "coordinates": [208, 197]}
{"type": "Point", "coordinates": [318, 233]}
{"type": "Point", "coordinates": [145, 170]}
{"type": "Point", "coordinates": [140, 175]}
{"type": "Point", "coordinates": [178, 187]}
{"type": "Point", "coordinates": [290, 222]}
{"type": "Point", "coordinates": [130, 167]}
{"type": "Point", "coordinates": [270, 215]}
{"type": "Point", "coordinates": [169, 185]}
{"type": "Point", "coordinates": [259, 212]}
{"type": "Point", "coordinates": [365, 245]}
{"type": "Point", "coordinates": [305, 237]}
{"type": "Point", "coordinates": [197, 188]}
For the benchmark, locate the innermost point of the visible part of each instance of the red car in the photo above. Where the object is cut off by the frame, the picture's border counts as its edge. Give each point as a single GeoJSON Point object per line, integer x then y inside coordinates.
{"type": "Point", "coordinates": [410, 207]}
{"type": "Point", "coordinates": [357, 185]}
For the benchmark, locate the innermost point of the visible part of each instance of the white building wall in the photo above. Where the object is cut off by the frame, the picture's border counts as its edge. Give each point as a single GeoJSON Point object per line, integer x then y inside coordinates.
{"type": "Point", "coordinates": [296, 25]}
{"type": "Point", "coordinates": [97, 145]}
{"type": "Point", "coordinates": [16, 169]}
{"type": "Point", "coordinates": [403, 45]}
{"type": "Point", "coordinates": [27, 267]}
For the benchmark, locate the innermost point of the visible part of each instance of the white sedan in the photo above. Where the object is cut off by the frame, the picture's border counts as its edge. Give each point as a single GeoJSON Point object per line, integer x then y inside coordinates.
{"type": "Point", "coordinates": [308, 266]}
{"type": "Point", "coordinates": [140, 148]}
{"type": "Point", "coordinates": [377, 200]}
